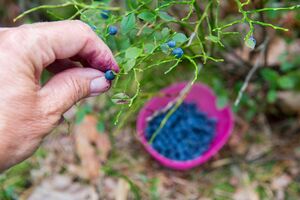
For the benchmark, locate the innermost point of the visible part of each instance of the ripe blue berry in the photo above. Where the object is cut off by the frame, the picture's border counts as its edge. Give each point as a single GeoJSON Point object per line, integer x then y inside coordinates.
{"type": "Point", "coordinates": [110, 75]}
{"type": "Point", "coordinates": [178, 52]}
{"type": "Point", "coordinates": [171, 44]}
{"type": "Point", "coordinates": [105, 14]}
{"type": "Point", "coordinates": [112, 30]}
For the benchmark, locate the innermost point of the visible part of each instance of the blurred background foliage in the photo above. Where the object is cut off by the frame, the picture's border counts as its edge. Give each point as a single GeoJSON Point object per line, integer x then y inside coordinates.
{"type": "Point", "coordinates": [262, 158]}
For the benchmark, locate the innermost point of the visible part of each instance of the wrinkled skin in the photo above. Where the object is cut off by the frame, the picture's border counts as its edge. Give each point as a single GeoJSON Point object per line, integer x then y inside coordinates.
{"type": "Point", "coordinates": [29, 111]}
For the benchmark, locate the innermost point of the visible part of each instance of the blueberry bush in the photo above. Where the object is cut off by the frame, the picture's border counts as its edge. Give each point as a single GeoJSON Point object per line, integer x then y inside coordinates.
{"type": "Point", "coordinates": [151, 40]}
{"type": "Point", "coordinates": [160, 42]}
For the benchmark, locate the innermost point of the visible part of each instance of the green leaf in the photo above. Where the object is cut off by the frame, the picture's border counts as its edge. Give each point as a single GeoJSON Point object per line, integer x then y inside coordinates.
{"type": "Point", "coordinates": [270, 76]}
{"type": "Point", "coordinates": [286, 82]}
{"type": "Point", "coordinates": [157, 36]}
{"type": "Point", "coordinates": [129, 65]}
{"type": "Point", "coordinates": [272, 96]}
{"type": "Point", "coordinates": [212, 38]}
{"type": "Point", "coordinates": [120, 98]}
{"type": "Point", "coordinates": [165, 16]}
{"type": "Point", "coordinates": [149, 47]}
{"type": "Point", "coordinates": [165, 32]}
{"type": "Point", "coordinates": [100, 126]}
{"type": "Point", "coordinates": [123, 43]}
{"type": "Point", "coordinates": [111, 42]}
{"type": "Point", "coordinates": [128, 23]}
{"type": "Point", "coordinates": [179, 38]}
{"type": "Point", "coordinates": [147, 16]}
{"type": "Point", "coordinates": [147, 31]}
{"type": "Point", "coordinates": [222, 101]}
{"type": "Point", "coordinates": [287, 66]}
{"type": "Point", "coordinates": [120, 59]}
{"type": "Point", "coordinates": [81, 112]}
{"type": "Point", "coordinates": [131, 4]}
{"type": "Point", "coordinates": [133, 52]}
{"type": "Point", "coordinates": [165, 48]}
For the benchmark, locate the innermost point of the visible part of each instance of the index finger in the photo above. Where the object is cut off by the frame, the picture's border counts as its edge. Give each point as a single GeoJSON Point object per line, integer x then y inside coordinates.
{"type": "Point", "coordinates": [65, 39]}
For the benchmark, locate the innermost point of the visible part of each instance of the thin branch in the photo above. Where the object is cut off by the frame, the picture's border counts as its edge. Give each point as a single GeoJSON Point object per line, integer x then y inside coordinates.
{"type": "Point", "coordinates": [263, 48]}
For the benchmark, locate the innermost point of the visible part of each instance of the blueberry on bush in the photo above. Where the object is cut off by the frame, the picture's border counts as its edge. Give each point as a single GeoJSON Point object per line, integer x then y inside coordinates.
{"type": "Point", "coordinates": [177, 52]}
{"type": "Point", "coordinates": [104, 14]}
{"type": "Point", "coordinates": [187, 134]}
{"type": "Point", "coordinates": [171, 44]}
{"type": "Point", "coordinates": [112, 30]}
{"type": "Point", "coordinates": [110, 75]}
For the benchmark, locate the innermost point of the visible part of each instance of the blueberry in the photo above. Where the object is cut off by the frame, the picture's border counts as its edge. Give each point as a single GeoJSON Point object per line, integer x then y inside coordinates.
{"type": "Point", "coordinates": [171, 44]}
{"type": "Point", "coordinates": [110, 75]}
{"type": "Point", "coordinates": [112, 30]}
{"type": "Point", "coordinates": [187, 134]}
{"type": "Point", "coordinates": [105, 14]}
{"type": "Point", "coordinates": [177, 52]}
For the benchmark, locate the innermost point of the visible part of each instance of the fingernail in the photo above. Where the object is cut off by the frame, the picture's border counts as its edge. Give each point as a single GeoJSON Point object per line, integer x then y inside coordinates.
{"type": "Point", "coordinates": [98, 86]}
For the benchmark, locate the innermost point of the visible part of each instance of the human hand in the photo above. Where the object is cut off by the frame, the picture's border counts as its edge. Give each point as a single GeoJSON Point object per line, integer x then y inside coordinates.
{"type": "Point", "coordinates": [29, 111]}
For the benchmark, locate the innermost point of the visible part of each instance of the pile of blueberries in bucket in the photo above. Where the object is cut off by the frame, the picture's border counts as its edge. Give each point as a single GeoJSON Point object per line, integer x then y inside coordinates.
{"type": "Point", "coordinates": [187, 134]}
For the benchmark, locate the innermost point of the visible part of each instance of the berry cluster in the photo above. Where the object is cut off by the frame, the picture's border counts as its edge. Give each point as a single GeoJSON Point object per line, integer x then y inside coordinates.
{"type": "Point", "coordinates": [177, 52]}
{"type": "Point", "coordinates": [186, 135]}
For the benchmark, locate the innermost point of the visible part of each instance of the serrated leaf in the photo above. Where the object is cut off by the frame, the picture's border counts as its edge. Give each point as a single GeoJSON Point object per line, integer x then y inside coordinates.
{"type": "Point", "coordinates": [120, 98]}
{"type": "Point", "coordinates": [165, 16]}
{"type": "Point", "coordinates": [180, 38]}
{"type": "Point", "coordinates": [147, 16]}
{"type": "Point", "coordinates": [129, 65]}
{"type": "Point", "coordinates": [133, 52]}
{"type": "Point", "coordinates": [128, 23]}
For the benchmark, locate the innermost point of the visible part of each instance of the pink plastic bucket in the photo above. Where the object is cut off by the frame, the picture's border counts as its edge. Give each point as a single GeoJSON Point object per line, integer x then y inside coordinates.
{"type": "Point", "coordinates": [205, 100]}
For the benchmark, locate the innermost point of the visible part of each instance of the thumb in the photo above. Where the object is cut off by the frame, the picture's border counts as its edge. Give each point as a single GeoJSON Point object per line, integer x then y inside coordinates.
{"type": "Point", "coordinates": [70, 86]}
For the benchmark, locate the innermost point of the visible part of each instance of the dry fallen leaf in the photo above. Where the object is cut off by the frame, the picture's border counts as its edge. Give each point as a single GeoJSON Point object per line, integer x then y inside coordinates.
{"type": "Point", "coordinates": [279, 184]}
{"type": "Point", "coordinates": [246, 193]}
{"type": "Point", "coordinates": [246, 189]}
{"type": "Point", "coordinates": [122, 190]}
{"type": "Point", "coordinates": [258, 150]}
{"type": "Point", "coordinates": [62, 187]}
{"type": "Point", "coordinates": [92, 147]}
